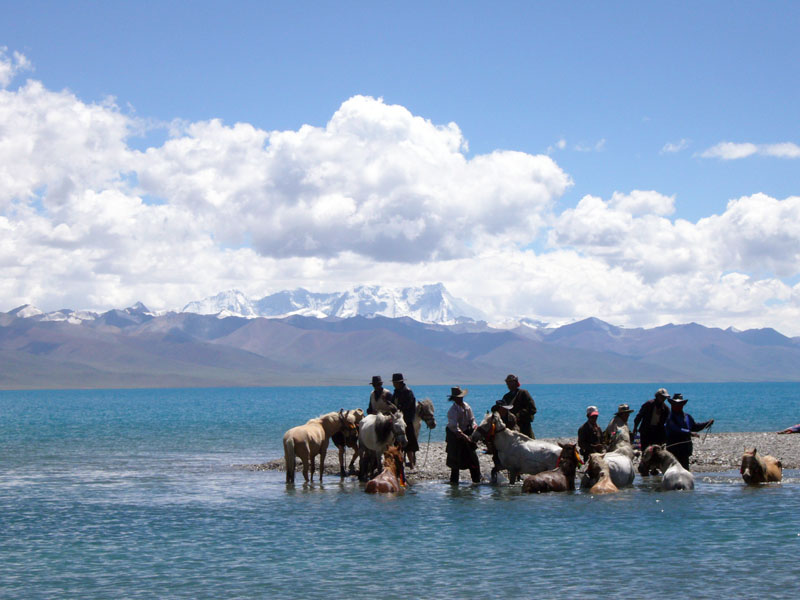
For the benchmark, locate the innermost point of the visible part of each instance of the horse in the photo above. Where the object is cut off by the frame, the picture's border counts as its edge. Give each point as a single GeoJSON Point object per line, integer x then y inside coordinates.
{"type": "Point", "coordinates": [675, 476]}
{"type": "Point", "coordinates": [306, 441]}
{"type": "Point", "coordinates": [598, 470]}
{"type": "Point", "coordinates": [620, 442]}
{"type": "Point", "coordinates": [376, 433]}
{"type": "Point", "coordinates": [560, 479]}
{"type": "Point", "coordinates": [424, 412]}
{"type": "Point", "coordinates": [757, 468]}
{"type": "Point", "coordinates": [348, 438]}
{"type": "Point", "coordinates": [517, 452]}
{"type": "Point", "coordinates": [620, 469]}
{"type": "Point", "coordinates": [393, 476]}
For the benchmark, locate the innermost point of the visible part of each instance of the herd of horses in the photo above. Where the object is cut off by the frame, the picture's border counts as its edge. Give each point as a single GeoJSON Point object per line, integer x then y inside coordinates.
{"type": "Point", "coordinates": [548, 467]}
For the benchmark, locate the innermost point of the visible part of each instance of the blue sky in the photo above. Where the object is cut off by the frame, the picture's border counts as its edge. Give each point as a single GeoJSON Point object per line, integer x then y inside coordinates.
{"type": "Point", "coordinates": [693, 102]}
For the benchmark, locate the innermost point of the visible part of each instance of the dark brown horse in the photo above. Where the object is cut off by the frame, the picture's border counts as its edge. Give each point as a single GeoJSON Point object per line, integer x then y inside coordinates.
{"type": "Point", "coordinates": [560, 479]}
{"type": "Point", "coordinates": [393, 476]}
{"type": "Point", "coordinates": [757, 468]}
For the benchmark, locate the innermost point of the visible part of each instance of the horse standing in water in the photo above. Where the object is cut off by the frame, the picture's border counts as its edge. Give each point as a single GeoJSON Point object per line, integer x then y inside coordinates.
{"type": "Point", "coordinates": [560, 479]}
{"type": "Point", "coordinates": [597, 470]}
{"type": "Point", "coordinates": [376, 433]}
{"type": "Point", "coordinates": [348, 438]}
{"type": "Point", "coordinates": [393, 476]}
{"type": "Point", "coordinates": [306, 441]}
{"type": "Point", "coordinates": [757, 468]}
{"type": "Point", "coordinates": [675, 476]}
{"type": "Point", "coordinates": [517, 452]}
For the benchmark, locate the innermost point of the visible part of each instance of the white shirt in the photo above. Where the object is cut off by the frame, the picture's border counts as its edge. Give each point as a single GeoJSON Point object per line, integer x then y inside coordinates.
{"type": "Point", "coordinates": [460, 418]}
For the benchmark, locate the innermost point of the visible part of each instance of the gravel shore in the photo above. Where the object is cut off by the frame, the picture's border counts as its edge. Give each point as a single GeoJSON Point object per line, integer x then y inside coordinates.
{"type": "Point", "coordinates": [712, 453]}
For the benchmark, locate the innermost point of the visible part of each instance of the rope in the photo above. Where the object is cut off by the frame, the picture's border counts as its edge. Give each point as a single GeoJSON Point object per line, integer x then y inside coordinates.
{"type": "Point", "coordinates": [427, 448]}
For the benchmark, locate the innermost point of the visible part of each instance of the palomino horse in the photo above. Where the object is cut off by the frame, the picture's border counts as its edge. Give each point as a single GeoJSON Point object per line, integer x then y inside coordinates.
{"type": "Point", "coordinates": [375, 434]}
{"type": "Point", "coordinates": [348, 438]}
{"type": "Point", "coordinates": [675, 476]}
{"type": "Point", "coordinates": [620, 468]}
{"type": "Point", "coordinates": [517, 452]}
{"type": "Point", "coordinates": [757, 468]}
{"type": "Point", "coordinates": [560, 479]}
{"type": "Point", "coordinates": [393, 476]}
{"type": "Point", "coordinates": [306, 441]}
{"type": "Point", "coordinates": [597, 470]}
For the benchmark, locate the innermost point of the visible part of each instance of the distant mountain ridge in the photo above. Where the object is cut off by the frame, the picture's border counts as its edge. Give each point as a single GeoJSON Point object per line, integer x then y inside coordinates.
{"type": "Point", "coordinates": [135, 347]}
{"type": "Point", "coordinates": [426, 304]}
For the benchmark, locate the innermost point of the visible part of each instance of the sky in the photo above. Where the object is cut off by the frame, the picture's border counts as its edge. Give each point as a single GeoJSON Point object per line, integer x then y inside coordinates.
{"type": "Point", "coordinates": [634, 162]}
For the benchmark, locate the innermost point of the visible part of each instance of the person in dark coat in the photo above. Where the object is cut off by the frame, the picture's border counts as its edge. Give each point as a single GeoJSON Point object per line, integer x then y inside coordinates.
{"type": "Point", "coordinates": [590, 436]}
{"type": "Point", "coordinates": [522, 405]}
{"type": "Point", "coordinates": [680, 428]}
{"type": "Point", "coordinates": [460, 448]}
{"type": "Point", "coordinates": [407, 403]}
{"type": "Point", "coordinates": [650, 420]}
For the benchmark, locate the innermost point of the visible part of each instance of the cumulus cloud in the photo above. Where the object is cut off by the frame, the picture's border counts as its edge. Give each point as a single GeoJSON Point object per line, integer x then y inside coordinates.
{"type": "Point", "coordinates": [375, 195]}
{"type": "Point", "coordinates": [734, 151]}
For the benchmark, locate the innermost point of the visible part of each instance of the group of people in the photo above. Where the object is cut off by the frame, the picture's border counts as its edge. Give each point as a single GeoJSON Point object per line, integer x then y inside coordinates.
{"type": "Point", "coordinates": [656, 423]}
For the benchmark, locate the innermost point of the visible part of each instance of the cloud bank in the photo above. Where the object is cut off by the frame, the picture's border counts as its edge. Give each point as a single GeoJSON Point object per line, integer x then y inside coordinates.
{"type": "Point", "coordinates": [375, 195]}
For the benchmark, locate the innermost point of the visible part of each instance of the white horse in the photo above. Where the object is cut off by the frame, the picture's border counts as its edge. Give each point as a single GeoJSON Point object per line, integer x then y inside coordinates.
{"type": "Point", "coordinates": [675, 476]}
{"type": "Point", "coordinates": [375, 434]}
{"type": "Point", "coordinates": [517, 452]}
{"type": "Point", "coordinates": [620, 442]}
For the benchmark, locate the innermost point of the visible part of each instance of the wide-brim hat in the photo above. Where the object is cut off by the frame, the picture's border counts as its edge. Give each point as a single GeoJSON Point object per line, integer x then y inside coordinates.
{"type": "Point", "coordinates": [499, 404]}
{"type": "Point", "coordinates": [376, 380]}
{"type": "Point", "coordinates": [678, 399]}
{"type": "Point", "coordinates": [623, 409]}
{"type": "Point", "coordinates": [592, 411]}
{"type": "Point", "coordinates": [457, 392]}
{"type": "Point", "coordinates": [397, 377]}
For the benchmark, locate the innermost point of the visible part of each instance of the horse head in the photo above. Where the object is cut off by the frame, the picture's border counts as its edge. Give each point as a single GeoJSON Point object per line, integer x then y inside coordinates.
{"type": "Point", "coordinates": [752, 469]}
{"type": "Point", "coordinates": [569, 455]}
{"type": "Point", "coordinates": [596, 465]}
{"type": "Point", "coordinates": [399, 428]}
{"type": "Point", "coordinates": [393, 460]}
{"type": "Point", "coordinates": [489, 427]}
{"type": "Point", "coordinates": [425, 411]}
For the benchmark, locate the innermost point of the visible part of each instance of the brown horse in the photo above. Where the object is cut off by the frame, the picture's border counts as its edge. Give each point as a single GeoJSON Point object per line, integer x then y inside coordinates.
{"type": "Point", "coordinates": [597, 468]}
{"type": "Point", "coordinates": [560, 479]}
{"type": "Point", "coordinates": [757, 469]}
{"type": "Point", "coordinates": [348, 438]}
{"type": "Point", "coordinates": [306, 441]}
{"type": "Point", "coordinates": [393, 476]}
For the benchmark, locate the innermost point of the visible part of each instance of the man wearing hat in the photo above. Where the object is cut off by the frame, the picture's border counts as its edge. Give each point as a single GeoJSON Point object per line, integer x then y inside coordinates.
{"type": "Point", "coordinates": [590, 436]}
{"type": "Point", "coordinates": [380, 400]}
{"type": "Point", "coordinates": [650, 419]}
{"type": "Point", "coordinates": [407, 403]}
{"type": "Point", "coordinates": [680, 429]}
{"type": "Point", "coordinates": [460, 447]}
{"type": "Point", "coordinates": [522, 405]}
{"type": "Point", "coordinates": [619, 421]}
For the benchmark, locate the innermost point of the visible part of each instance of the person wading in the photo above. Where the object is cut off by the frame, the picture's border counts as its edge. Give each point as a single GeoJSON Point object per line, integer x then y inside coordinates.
{"type": "Point", "coordinates": [407, 403]}
{"type": "Point", "coordinates": [460, 448]}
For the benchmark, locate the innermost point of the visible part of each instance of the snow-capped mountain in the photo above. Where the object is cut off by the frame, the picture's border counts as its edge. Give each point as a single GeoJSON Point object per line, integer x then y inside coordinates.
{"type": "Point", "coordinates": [427, 304]}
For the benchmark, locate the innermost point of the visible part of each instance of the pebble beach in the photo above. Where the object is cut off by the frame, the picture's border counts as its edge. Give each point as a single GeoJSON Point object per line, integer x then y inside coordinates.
{"type": "Point", "coordinates": [714, 452]}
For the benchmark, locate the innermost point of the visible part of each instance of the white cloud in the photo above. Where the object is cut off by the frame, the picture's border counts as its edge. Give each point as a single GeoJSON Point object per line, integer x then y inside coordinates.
{"type": "Point", "coordinates": [674, 147]}
{"type": "Point", "coordinates": [11, 66]}
{"type": "Point", "coordinates": [376, 195]}
{"type": "Point", "coordinates": [734, 151]}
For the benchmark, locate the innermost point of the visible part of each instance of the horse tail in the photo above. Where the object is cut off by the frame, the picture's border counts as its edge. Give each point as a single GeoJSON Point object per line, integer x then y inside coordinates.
{"type": "Point", "coordinates": [289, 456]}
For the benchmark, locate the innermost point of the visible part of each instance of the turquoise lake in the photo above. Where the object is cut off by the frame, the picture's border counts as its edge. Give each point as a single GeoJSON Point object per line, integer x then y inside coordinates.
{"type": "Point", "coordinates": [138, 494]}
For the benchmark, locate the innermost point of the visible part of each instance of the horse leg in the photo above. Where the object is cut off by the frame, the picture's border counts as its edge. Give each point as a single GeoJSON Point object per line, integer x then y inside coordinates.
{"type": "Point", "coordinates": [322, 454]}
{"type": "Point", "coordinates": [341, 461]}
{"type": "Point", "coordinates": [305, 468]}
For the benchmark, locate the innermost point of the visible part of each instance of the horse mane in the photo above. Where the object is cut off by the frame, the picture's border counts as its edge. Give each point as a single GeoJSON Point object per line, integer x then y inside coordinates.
{"type": "Point", "coordinates": [383, 428]}
{"type": "Point", "coordinates": [428, 404]}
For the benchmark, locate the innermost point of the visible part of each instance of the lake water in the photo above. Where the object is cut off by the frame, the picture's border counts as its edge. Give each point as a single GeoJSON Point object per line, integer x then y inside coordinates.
{"type": "Point", "coordinates": [136, 494]}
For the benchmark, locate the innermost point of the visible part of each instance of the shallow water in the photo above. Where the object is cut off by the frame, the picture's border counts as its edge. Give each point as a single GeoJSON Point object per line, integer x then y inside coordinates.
{"type": "Point", "coordinates": [135, 494]}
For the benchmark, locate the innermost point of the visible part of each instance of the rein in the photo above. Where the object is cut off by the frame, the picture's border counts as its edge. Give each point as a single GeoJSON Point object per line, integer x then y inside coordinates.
{"type": "Point", "coordinates": [427, 449]}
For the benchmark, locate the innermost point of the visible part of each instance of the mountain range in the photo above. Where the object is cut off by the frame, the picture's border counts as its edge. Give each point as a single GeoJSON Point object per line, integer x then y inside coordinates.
{"type": "Point", "coordinates": [135, 347]}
